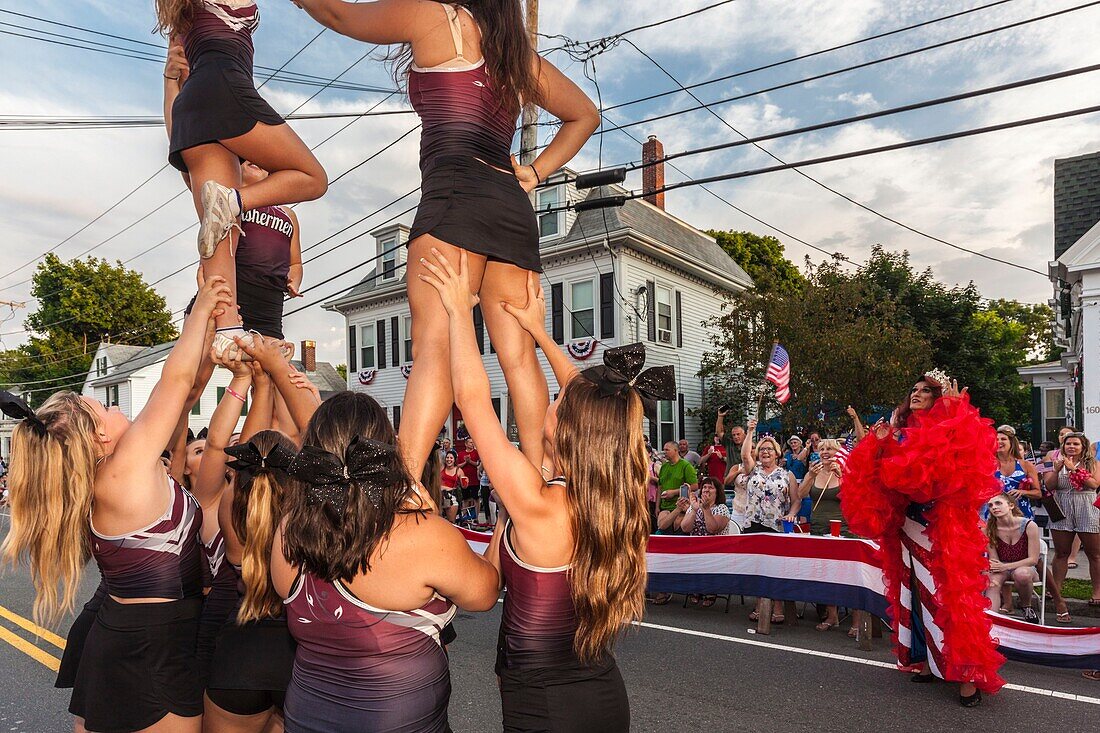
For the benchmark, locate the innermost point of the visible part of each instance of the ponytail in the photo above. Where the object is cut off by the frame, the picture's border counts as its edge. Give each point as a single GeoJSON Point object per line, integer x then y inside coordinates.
{"type": "Point", "coordinates": [258, 500]}
{"type": "Point", "coordinates": [50, 489]}
{"type": "Point", "coordinates": [259, 522]}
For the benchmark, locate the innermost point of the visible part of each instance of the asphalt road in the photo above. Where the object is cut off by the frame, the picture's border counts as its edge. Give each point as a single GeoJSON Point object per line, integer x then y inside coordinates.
{"type": "Point", "coordinates": [685, 669]}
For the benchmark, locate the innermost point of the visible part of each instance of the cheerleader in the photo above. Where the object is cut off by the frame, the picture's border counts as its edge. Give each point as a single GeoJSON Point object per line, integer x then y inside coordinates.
{"type": "Point", "coordinates": [470, 68]}
{"type": "Point", "coordinates": [216, 119]}
{"type": "Point", "coordinates": [915, 486]}
{"type": "Point", "coordinates": [570, 541]}
{"type": "Point", "coordinates": [369, 572]}
{"type": "Point", "coordinates": [84, 480]}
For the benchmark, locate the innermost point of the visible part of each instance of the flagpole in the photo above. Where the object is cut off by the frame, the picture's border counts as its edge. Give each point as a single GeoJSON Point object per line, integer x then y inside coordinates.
{"type": "Point", "coordinates": [764, 387]}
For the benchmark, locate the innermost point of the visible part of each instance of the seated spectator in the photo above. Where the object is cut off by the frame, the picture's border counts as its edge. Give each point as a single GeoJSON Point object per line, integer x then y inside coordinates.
{"type": "Point", "coordinates": [706, 515]}
{"type": "Point", "coordinates": [675, 473]}
{"type": "Point", "coordinates": [669, 521]}
{"type": "Point", "coordinates": [1013, 554]}
{"type": "Point", "coordinates": [685, 451]}
{"type": "Point", "coordinates": [714, 459]}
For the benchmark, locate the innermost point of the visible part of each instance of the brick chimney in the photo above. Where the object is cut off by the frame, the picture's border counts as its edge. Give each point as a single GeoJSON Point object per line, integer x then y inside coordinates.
{"type": "Point", "coordinates": [653, 176]}
{"type": "Point", "coordinates": [309, 356]}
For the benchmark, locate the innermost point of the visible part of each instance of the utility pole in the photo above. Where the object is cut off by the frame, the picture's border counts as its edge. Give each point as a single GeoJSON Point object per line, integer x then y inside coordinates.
{"type": "Point", "coordinates": [528, 137]}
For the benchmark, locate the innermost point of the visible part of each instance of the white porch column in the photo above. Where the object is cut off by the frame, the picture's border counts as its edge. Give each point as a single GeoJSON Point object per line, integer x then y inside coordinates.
{"type": "Point", "coordinates": [1090, 353]}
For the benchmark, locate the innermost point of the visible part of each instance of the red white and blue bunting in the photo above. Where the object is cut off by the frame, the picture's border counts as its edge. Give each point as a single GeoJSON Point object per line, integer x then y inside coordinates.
{"type": "Point", "coordinates": [581, 350]}
{"type": "Point", "coordinates": [406, 370]}
{"type": "Point", "coordinates": [830, 570]}
{"type": "Point", "coordinates": [366, 376]}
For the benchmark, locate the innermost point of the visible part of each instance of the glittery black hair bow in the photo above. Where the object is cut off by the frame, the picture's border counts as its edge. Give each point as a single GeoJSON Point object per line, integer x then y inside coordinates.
{"type": "Point", "coordinates": [248, 460]}
{"type": "Point", "coordinates": [14, 406]}
{"type": "Point", "coordinates": [328, 478]}
{"type": "Point", "coordinates": [622, 371]}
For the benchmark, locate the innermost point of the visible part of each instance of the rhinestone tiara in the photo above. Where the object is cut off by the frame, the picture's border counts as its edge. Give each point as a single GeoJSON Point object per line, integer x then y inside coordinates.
{"type": "Point", "coordinates": [939, 376]}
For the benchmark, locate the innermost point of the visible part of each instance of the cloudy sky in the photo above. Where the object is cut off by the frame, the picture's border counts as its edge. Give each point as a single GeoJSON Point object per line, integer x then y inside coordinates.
{"type": "Point", "coordinates": [991, 193]}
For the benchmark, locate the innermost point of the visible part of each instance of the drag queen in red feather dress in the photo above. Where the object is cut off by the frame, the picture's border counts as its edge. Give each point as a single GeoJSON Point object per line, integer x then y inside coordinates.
{"type": "Point", "coordinates": [915, 486]}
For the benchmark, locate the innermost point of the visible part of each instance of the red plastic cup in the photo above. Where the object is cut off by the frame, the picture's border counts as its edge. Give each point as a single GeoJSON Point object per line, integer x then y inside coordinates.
{"type": "Point", "coordinates": [834, 527]}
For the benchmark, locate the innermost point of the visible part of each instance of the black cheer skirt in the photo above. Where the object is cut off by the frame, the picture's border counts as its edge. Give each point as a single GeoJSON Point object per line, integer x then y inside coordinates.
{"type": "Point", "coordinates": [138, 665]}
{"type": "Point", "coordinates": [78, 633]}
{"type": "Point", "coordinates": [217, 102]}
{"type": "Point", "coordinates": [480, 209]}
{"type": "Point", "coordinates": [574, 699]}
{"type": "Point", "coordinates": [256, 656]}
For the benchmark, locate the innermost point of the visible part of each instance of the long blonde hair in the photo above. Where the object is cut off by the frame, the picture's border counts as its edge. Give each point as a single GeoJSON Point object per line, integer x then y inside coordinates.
{"type": "Point", "coordinates": [174, 17]}
{"type": "Point", "coordinates": [50, 489]}
{"type": "Point", "coordinates": [257, 511]}
{"type": "Point", "coordinates": [608, 511]}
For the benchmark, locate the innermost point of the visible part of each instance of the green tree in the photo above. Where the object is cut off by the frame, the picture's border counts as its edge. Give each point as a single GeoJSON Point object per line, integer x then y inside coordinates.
{"type": "Point", "coordinates": [981, 346]}
{"type": "Point", "coordinates": [1038, 322]}
{"type": "Point", "coordinates": [80, 303]}
{"type": "Point", "coordinates": [847, 345]}
{"type": "Point", "coordinates": [763, 259]}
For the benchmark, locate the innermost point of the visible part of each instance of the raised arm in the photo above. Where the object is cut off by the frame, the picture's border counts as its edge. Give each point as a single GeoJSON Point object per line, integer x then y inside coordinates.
{"type": "Point", "coordinates": [263, 403]}
{"type": "Point", "coordinates": [302, 403]}
{"type": "Point", "coordinates": [857, 424]}
{"type": "Point", "coordinates": [382, 21]}
{"type": "Point", "coordinates": [748, 463]}
{"type": "Point", "coordinates": [143, 443]}
{"type": "Point", "coordinates": [517, 482]}
{"type": "Point", "coordinates": [720, 424]}
{"type": "Point", "coordinates": [532, 317]}
{"type": "Point", "coordinates": [210, 480]}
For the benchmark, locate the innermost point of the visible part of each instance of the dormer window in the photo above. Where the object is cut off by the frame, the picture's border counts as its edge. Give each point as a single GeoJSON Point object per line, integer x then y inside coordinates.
{"type": "Point", "coordinates": [551, 223]}
{"type": "Point", "coordinates": [388, 249]}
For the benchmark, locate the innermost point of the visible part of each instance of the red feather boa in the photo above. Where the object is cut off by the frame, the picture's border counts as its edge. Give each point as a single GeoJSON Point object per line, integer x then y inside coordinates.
{"type": "Point", "coordinates": [947, 458]}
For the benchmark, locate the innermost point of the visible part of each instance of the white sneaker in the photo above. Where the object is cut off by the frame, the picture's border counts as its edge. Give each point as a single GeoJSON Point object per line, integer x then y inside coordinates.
{"type": "Point", "coordinates": [218, 217]}
{"type": "Point", "coordinates": [224, 344]}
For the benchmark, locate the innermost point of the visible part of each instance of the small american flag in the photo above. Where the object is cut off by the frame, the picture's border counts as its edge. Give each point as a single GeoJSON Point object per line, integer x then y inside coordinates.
{"type": "Point", "coordinates": [841, 457]}
{"type": "Point", "coordinates": [779, 373]}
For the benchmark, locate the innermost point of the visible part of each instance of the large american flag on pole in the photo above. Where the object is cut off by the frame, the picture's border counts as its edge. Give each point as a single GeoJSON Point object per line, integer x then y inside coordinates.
{"type": "Point", "coordinates": [779, 373]}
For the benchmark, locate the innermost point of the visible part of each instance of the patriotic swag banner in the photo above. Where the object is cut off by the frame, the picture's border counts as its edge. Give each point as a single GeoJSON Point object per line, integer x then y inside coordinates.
{"type": "Point", "coordinates": [830, 570]}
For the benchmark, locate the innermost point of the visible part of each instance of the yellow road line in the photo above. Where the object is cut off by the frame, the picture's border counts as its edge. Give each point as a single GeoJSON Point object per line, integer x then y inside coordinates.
{"type": "Point", "coordinates": [32, 627]}
{"type": "Point", "coordinates": [47, 660]}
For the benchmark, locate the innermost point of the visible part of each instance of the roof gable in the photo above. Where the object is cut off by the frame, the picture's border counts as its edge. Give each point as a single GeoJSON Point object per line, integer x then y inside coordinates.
{"type": "Point", "coordinates": [1085, 252]}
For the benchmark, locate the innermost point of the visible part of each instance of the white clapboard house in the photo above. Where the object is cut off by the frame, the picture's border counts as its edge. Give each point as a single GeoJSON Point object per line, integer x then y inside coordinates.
{"type": "Point", "coordinates": [125, 376]}
{"type": "Point", "coordinates": [612, 276]}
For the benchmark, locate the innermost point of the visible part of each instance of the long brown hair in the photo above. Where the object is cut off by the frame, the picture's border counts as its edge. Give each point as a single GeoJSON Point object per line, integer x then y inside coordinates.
{"type": "Point", "coordinates": [333, 545]}
{"type": "Point", "coordinates": [1088, 454]}
{"type": "Point", "coordinates": [991, 521]}
{"type": "Point", "coordinates": [257, 509]}
{"type": "Point", "coordinates": [50, 489]}
{"type": "Point", "coordinates": [174, 17]}
{"type": "Point", "coordinates": [505, 47]}
{"type": "Point", "coordinates": [608, 511]}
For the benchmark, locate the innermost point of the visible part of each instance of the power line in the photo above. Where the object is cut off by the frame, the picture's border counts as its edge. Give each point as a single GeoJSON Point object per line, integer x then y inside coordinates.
{"type": "Point", "coordinates": [22, 123]}
{"type": "Point", "coordinates": [111, 50]}
{"type": "Point", "coordinates": [812, 54]}
{"type": "Point", "coordinates": [871, 151]}
{"type": "Point", "coordinates": [846, 69]}
{"type": "Point", "coordinates": [604, 39]}
{"type": "Point", "coordinates": [869, 116]}
{"type": "Point", "coordinates": [810, 178]}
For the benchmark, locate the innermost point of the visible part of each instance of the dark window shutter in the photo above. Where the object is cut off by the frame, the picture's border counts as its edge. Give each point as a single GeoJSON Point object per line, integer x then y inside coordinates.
{"type": "Point", "coordinates": [1038, 429]}
{"type": "Point", "coordinates": [607, 305]}
{"type": "Point", "coordinates": [496, 406]}
{"type": "Point", "coordinates": [479, 329]}
{"type": "Point", "coordinates": [680, 407]}
{"type": "Point", "coordinates": [396, 417]}
{"type": "Point", "coordinates": [557, 313]}
{"type": "Point", "coordinates": [380, 340]}
{"type": "Point", "coordinates": [679, 335]}
{"type": "Point", "coordinates": [395, 343]}
{"type": "Point", "coordinates": [651, 310]}
{"type": "Point", "coordinates": [353, 351]}
{"type": "Point", "coordinates": [653, 434]}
